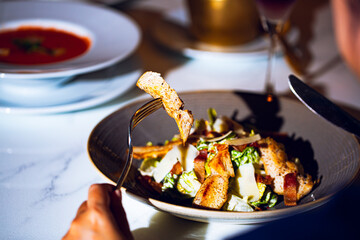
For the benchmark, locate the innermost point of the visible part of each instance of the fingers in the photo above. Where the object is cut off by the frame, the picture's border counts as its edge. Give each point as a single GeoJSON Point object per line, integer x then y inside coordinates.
{"type": "Point", "coordinates": [119, 213]}
{"type": "Point", "coordinates": [102, 215]}
{"type": "Point", "coordinates": [98, 196]}
{"type": "Point", "coordinates": [82, 208]}
{"type": "Point", "coordinates": [116, 206]}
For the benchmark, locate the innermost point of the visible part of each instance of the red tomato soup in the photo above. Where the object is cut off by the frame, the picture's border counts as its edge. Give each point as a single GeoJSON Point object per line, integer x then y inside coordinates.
{"type": "Point", "coordinates": [30, 45]}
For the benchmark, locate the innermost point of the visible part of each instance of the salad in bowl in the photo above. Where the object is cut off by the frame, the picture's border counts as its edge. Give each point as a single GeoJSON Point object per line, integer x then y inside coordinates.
{"type": "Point", "coordinates": [217, 163]}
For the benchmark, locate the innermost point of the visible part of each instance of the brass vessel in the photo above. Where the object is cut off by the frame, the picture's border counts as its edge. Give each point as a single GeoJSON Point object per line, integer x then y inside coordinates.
{"type": "Point", "coordinates": [224, 22]}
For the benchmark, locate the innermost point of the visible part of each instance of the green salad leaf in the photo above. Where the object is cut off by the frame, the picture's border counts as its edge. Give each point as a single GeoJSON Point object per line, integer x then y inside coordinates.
{"type": "Point", "coordinates": [249, 155]}
{"type": "Point", "coordinates": [269, 199]}
{"type": "Point", "coordinates": [235, 203]}
{"type": "Point", "coordinates": [212, 115]}
{"type": "Point", "coordinates": [169, 181]}
{"type": "Point", "coordinates": [188, 184]}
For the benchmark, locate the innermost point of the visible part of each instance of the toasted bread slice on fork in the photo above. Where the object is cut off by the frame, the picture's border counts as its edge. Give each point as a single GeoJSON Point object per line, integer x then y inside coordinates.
{"type": "Point", "coordinates": [153, 84]}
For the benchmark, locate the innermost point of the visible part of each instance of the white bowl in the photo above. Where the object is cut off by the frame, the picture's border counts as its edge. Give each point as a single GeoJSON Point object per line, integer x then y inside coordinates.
{"type": "Point", "coordinates": [114, 36]}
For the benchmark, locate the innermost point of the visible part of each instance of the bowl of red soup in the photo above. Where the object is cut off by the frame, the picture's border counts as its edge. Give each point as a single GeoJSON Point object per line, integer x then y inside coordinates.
{"type": "Point", "coordinates": [46, 43]}
{"type": "Point", "coordinates": [30, 48]}
{"type": "Point", "coordinates": [34, 44]}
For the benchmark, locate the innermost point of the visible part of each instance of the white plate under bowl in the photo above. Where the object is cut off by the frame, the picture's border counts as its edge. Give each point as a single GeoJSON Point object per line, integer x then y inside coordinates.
{"type": "Point", "coordinates": [81, 92]}
{"type": "Point", "coordinates": [114, 36]}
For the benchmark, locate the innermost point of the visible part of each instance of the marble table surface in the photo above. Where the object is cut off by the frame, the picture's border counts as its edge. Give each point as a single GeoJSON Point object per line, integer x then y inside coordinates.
{"type": "Point", "coordinates": [45, 171]}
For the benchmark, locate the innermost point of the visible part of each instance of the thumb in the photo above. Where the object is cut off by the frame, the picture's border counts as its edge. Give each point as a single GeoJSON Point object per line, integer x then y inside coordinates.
{"type": "Point", "coordinates": [119, 213]}
{"type": "Point", "coordinates": [98, 196]}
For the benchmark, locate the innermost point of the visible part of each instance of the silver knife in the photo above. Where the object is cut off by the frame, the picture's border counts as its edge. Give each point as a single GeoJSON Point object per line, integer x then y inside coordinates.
{"type": "Point", "coordinates": [323, 107]}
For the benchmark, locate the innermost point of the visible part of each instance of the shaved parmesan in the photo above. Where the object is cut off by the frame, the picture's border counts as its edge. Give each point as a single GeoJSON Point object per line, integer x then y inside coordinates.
{"type": "Point", "coordinates": [245, 182]}
{"type": "Point", "coordinates": [242, 141]}
{"type": "Point", "coordinates": [188, 157]}
{"type": "Point", "coordinates": [220, 125]}
{"type": "Point", "coordinates": [184, 154]}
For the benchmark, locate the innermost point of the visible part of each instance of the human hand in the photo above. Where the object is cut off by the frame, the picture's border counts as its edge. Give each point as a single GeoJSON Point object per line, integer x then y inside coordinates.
{"type": "Point", "coordinates": [101, 217]}
{"type": "Point", "coordinates": [347, 31]}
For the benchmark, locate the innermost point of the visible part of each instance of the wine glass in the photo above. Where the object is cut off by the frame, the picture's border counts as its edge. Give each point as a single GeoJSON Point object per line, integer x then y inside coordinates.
{"type": "Point", "coordinates": [273, 14]}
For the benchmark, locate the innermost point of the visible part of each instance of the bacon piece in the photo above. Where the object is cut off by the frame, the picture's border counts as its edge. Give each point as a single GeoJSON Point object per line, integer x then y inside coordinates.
{"type": "Point", "coordinates": [240, 148]}
{"type": "Point", "coordinates": [290, 189]}
{"type": "Point", "coordinates": [177, 168]}
{"type": "Point", "coordinates": [199, 165]}
{"type": "Point", "coordinates": [267, 180]}
{"type": "Point", "coordinates": [149, 184]}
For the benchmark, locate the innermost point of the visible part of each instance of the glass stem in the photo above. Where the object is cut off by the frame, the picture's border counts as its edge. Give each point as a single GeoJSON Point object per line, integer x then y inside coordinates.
{"type": "Point", "coordinates": [271, 29]}
{"type": "Point", "coordinates": [269, 85]}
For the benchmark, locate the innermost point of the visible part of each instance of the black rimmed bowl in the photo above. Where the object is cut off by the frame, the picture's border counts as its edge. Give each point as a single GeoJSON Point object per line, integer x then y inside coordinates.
{"type": "Point", "coordinates": [329, 154]}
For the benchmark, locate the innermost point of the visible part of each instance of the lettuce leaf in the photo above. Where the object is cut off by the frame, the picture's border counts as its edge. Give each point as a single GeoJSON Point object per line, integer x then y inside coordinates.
{"type": "Point", "coordinates": [269, 199]}
{"type": "Point", "coordinates": [169, 181]}
{"type": "Point", "coordinates": [249, 155]}
{"type": "Point", "coordinates": [188, 184]}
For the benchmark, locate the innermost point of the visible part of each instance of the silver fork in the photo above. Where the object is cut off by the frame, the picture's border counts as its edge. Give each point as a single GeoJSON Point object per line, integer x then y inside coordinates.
{"type": "Point", "coordinates": [144, 111]}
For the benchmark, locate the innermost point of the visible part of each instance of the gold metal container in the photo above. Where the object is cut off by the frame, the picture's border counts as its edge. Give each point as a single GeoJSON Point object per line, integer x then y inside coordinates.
{"type": "Point", "coordinates": [224, 22]}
